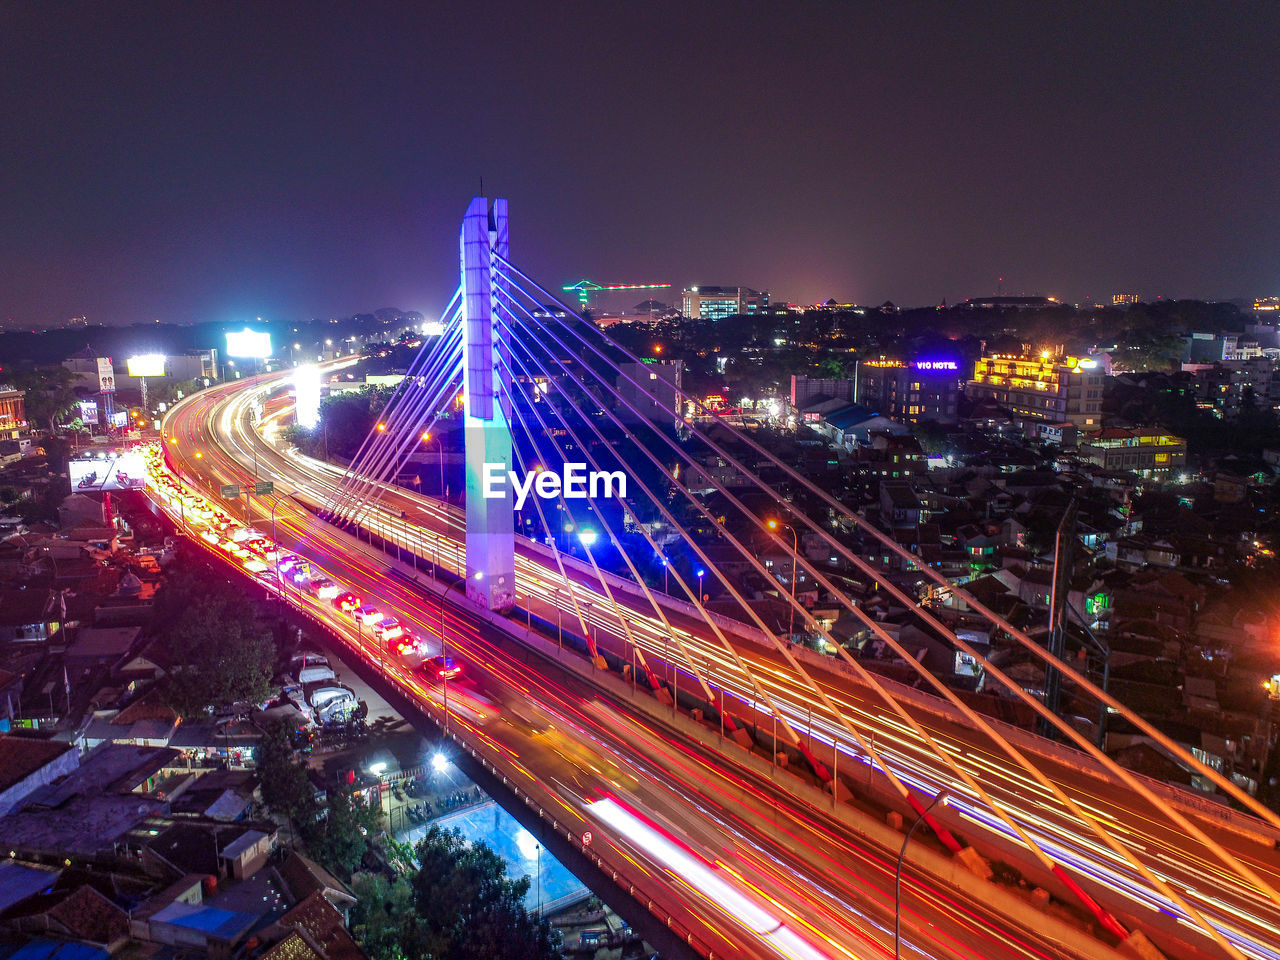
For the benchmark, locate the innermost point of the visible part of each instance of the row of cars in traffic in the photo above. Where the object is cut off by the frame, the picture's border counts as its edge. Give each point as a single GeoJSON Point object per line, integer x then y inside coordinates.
{"type": "Point", "coordinates": [264, 560]}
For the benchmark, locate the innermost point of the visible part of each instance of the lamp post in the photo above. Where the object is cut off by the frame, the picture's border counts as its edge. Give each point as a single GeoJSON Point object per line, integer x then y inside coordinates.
{"type": "Point", "coordinates": [795, 541]}
{"type": "Point", "coordinates": [445, 678]}
{"type": "Point", "coordinates": [938, 797]}
{"type": "Point", "coordinates": [701, 574]}
{"type": "Point", "coordinates": [559, 624]}
{"type": "Point", "coordinates": [275, 561]}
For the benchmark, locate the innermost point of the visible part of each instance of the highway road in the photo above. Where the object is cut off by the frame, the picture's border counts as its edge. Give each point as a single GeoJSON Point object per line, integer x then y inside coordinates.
{"type": "Point", "coordinates": [216, 444]}
{"type": "Point", "coordinates": [720, 851]}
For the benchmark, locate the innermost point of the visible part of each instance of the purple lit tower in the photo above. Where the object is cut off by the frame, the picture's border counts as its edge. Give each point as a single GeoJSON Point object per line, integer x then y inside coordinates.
{"type": "Point", "coordinates": [490, 528]}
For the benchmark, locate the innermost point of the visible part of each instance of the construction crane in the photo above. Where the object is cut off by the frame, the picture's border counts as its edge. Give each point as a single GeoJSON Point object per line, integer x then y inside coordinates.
{"type": "Point", "coordinates": [585, 288]}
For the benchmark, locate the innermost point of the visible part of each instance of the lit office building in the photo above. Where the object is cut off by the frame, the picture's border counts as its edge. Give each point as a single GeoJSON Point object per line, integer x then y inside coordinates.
{"type": "Point", "coordinates": [716, 303]}
{"type": "Point", "coordinates": [1044, 388]}
{"type": "Point", "coordinates": [1145, 451]}
{"type": "Point", "coordinates": [921, 390]}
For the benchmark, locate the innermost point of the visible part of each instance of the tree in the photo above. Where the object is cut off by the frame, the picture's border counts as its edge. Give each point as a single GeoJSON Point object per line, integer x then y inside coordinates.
{"type": "Point", "coordinates": [49, 394]}
{"type": "Point", "coordinates": [286, 788]}
{"type": "Point", "coordinates": [166, 390]}
{"type": "Point", "coordinates": [221, 655]}
{"type": "Point", "coordinates": [335, 834]}
{"type": "Point", "coordinates": [339, 837]}
{"type": "Point", "coordinates": [469, 909]}
{"type": "Point", "coordinates": [384, 919]}
{"type": "Point", "coordinates": [346, 419]}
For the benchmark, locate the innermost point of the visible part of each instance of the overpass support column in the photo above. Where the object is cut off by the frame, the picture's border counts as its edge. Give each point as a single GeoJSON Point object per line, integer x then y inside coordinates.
{"type": "Point", "coordinates": [487, 433]}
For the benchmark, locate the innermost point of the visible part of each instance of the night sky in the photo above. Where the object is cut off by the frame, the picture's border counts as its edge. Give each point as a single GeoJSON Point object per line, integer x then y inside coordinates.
{"type": "Point", "coordinates": [217, 161]}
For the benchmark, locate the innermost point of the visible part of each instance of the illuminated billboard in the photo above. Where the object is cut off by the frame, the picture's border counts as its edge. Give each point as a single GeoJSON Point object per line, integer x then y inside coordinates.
{"type": "Point", "coordinates": [89, 412]}
{"type": "Point", "coordinates": [249, 344]}
{"type": "Point", "coordinates": [147, 365]}
{"type": "Point", "coordinates": [107, 471]}
{"type": "Point", "coordinates": [106, 376]}
{"type": "Point", "coordinates": [306, 396]}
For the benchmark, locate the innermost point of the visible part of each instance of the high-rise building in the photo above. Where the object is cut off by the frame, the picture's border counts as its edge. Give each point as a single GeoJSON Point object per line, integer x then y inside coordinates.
{"type": "Point", "coordinates": [652, 391]}
{"type": "Point", "coordinates": [716, 303]}
{"type": "Point", "coordinates": [1044, 388]}
{"type": "Point", "coordinates": [806, 390]}
{"type": "Point", "coordinates": [921, 390]}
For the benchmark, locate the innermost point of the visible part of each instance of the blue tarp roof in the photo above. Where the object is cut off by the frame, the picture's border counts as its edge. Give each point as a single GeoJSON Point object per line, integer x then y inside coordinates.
{"type": "Point", "coordinates": [850, 416]}
{"type": "Point", "coordinates": [58, 950]}
{"type": "Point", "coordinates": [17, 882]}
{"type": "Point", "coordinates": [224, 924]}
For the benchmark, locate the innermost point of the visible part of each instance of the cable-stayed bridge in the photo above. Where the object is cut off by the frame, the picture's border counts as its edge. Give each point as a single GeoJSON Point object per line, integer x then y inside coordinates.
{"type": "Point", "coordinates": [762, 770]}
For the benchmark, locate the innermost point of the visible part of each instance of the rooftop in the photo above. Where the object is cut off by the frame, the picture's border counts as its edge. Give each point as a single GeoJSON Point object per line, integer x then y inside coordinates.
{"type": "Point", "coordinates": [116, 766]}
{"type": "Point", "coordinates": [19, 881]}
{"type": "Point", "coordinates": [43, 949]}
{"type": "Point", "coordinates": [20, 757]}
{"type": "Point", "coordinates": [104, 643]}
{"type": "Point", "coordinates": [88, 915]}
{"type": "Point", "coordinates": [323, 926]}
{"type": "Point", "coordinates": [218, 924]}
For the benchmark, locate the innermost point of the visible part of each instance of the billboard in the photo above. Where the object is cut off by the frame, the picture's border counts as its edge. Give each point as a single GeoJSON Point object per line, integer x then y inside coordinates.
{"type": "Point", "coordinates": [147, 365]}
{"type": "Point", "coordinates": [107, 471]}
{"type": "Point", "coordinates": [89, 412]}
{"type": "Point", "coordinates": [106, 376]}
{"type": "Point", "coordinates": [306, 396]}
{"type": "Point", "coordinates": [249, 344]}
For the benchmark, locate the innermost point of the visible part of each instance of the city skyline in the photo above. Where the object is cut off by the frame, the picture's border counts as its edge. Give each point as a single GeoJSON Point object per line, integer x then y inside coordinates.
{"type": "Point", "coordinates": [222, 164]}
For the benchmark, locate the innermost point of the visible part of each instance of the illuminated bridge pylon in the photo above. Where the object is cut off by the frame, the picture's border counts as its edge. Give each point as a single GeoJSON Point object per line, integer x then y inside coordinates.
{"type": "Point", "coordinates": [484, 244]}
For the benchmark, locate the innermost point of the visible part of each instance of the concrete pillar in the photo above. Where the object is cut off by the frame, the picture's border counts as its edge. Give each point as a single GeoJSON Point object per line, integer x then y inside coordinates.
{"type": "Point", "coordinates": [487, 432]}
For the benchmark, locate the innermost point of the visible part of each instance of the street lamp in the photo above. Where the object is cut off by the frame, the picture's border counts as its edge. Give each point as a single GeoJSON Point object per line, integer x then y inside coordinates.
{"type": "Point", "coordinates": [426, 438]}
{"type": "Point", "coordinates": [701, 574]}
{"type": "Point", "coordinates": [795, 542]}
{"type": "Point", "coordinates": [445, 677]}
{"type": "Point", "coordinates": [939, 797]}
{"type": "Point", "coordinates": [275, 561]}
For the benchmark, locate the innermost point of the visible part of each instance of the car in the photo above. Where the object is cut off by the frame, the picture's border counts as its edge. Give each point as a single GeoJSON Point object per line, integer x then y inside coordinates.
{"type": "Point", "coordinates": [262, 546]}
{"type": "Point", "coordinates": [388, 628]}
{"type": "Point", "coordinates": [366, 614]}
{"type": "Point", "coordinates": [324, 588]}
{"type": "Point", "coordinates": [405, 645]}
{"type": "Point", "coordinates": [347, 601]}
{"type": "Point", "coordinates": [440, 668]}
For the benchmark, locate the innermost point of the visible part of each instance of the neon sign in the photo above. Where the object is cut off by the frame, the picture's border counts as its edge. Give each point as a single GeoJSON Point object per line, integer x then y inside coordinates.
{"type": "Point", "coordinates": [935, 365]}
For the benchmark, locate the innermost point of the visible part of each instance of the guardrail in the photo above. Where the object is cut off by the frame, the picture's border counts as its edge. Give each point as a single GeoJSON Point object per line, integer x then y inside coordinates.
{"type": "Point", "coordinates": [437, 716]}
